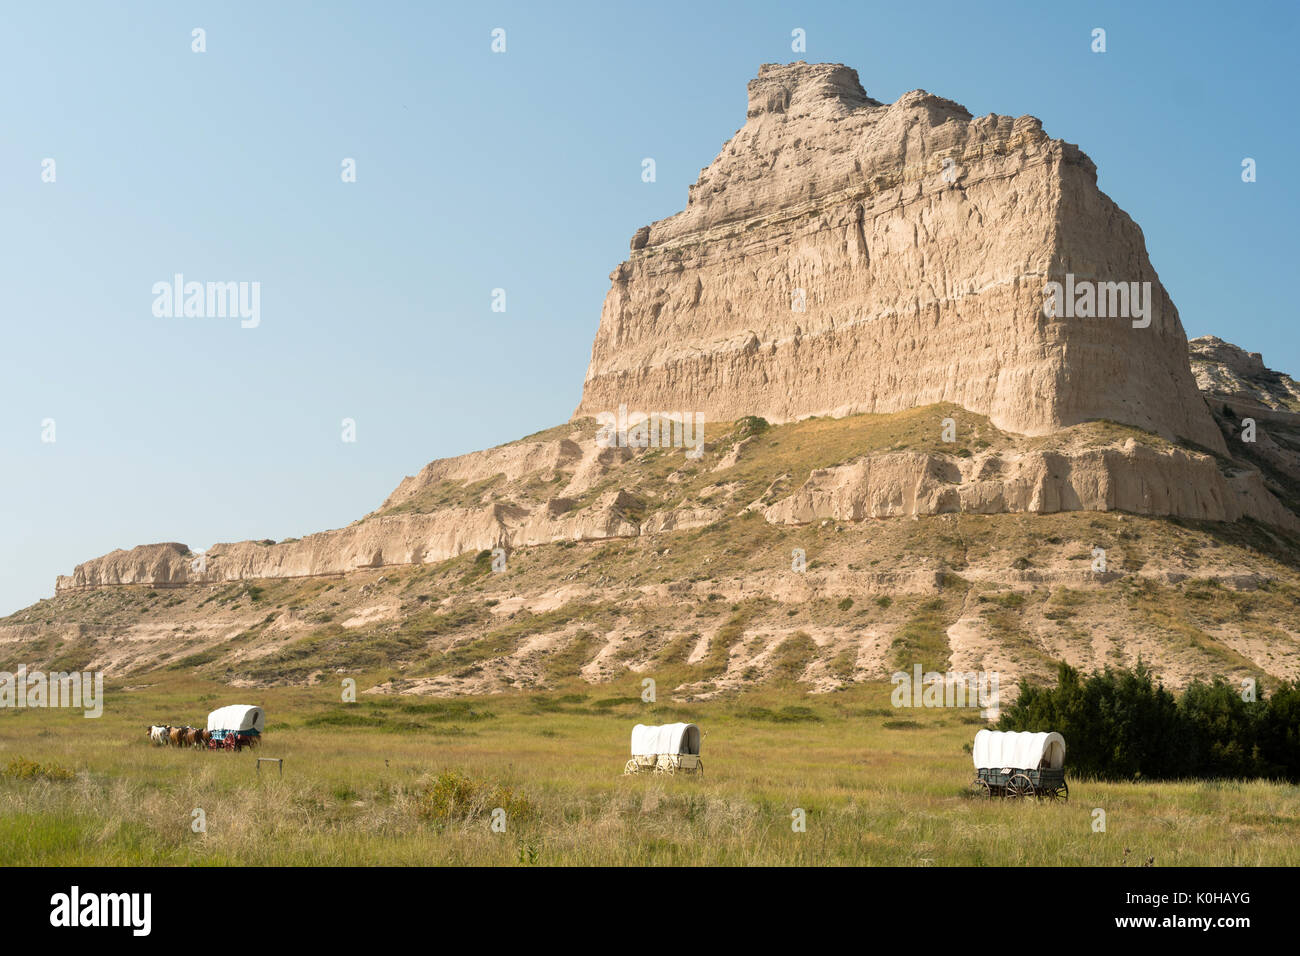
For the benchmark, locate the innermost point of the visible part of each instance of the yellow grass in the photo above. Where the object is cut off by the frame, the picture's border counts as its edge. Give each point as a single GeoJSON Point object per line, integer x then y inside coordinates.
{"type": "Point", "coordinates": [879, 786]}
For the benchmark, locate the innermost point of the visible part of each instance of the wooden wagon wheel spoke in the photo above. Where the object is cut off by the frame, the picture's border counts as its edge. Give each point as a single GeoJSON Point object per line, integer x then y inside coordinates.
{"type": "Point", "coordinates": [1019, 786]}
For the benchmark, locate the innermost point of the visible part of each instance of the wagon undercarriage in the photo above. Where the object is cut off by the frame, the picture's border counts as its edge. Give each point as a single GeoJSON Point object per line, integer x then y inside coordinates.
{"type": "Point", "coordinates": [665, 763]}
{"type": "Point", "coordinates": [1015, 783]}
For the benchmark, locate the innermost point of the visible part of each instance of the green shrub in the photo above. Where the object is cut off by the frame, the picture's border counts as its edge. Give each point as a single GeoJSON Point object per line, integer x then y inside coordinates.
{"type": "Point", "coordinates": [750, 425]}
{"type": "Point", "coordinates": [1123, 724]}
{"type": "Point", "coordinates": [452, 797]}
{"type": "Point", "coordinates": [786, 715]}
{"type": "Point", "coordinates": [23, 769]}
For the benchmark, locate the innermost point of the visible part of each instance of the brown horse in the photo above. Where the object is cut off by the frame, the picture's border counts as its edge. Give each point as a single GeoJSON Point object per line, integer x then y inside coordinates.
{"type": "Point", "coordinates": [204, 737]}
{"type": "Point", "coordinates": [175, 736]}
{"type": "Point", "coordinates": [191, 736]}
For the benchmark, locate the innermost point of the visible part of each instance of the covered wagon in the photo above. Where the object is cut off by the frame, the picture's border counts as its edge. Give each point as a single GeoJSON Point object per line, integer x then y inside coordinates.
{"type": "Point", "coordinates": [1020, 764]}
{"type": "Point", "coordinates": [670, 748]}
{"type": "Point", "coordinates": [235, 727]}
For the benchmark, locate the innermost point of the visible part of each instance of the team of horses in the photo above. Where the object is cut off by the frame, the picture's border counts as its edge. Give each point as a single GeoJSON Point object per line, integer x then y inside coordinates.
{"type": "Point", "coordinates": [161, 735]}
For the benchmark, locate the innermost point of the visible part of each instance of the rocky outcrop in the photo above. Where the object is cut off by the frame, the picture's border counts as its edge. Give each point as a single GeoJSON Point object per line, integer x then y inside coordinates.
{"type": "Point", "coordinates": [1227, 372]}
{"type": "Point", "coordinates": [1077, 474]}
{"type": "Point", "coordinates": [1256, 408]}
{"type": "Point", "coordinates": [162, 565]}
{"type": "Point", "coordinates": [511, 462]}
{"type": "Point", "coordinates": [840, 255]}
{"type": "Point", "coordinates": [1130, 477]}
{"type": "Point", "coordinates": [380, 541]}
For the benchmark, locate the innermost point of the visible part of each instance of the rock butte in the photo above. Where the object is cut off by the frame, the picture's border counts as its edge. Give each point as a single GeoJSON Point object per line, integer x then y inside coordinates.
{"type": "Point", "coordinates": [919, 288]}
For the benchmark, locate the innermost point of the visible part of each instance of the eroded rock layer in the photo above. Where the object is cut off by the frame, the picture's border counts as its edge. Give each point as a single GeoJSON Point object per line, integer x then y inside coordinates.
{"type": "Point", "coordinates": [573, 489]}
{"type": "Point", "coordinates": [840, 255]}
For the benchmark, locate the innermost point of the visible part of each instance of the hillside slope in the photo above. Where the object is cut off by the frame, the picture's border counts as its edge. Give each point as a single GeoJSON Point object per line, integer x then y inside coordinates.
{"type": "Point", "coordinates": [976, 554]}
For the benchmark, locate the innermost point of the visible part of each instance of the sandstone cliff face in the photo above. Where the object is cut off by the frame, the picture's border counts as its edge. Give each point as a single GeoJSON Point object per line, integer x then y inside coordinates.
{"type": "Point", "coordinates": [1228, 372]}
{"type": "Point", "coordinates": [1239, 388]}
{"type": "Point", "coordinates": [916, 287]}
{"type": "Point", "coordinates": [523, 503]}
{"type": "Point", "coordinates": [1128, 477]}
{"type": "Point", "coordinates": [573, 489]}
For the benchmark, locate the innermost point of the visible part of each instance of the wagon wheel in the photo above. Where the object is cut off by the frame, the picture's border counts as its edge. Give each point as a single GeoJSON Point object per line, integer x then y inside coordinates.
{"type": "Point", "coordinates": [699, 768]}
{"type": "Point", "coordinates": [1019, 786]}
{"type": "Point", "coordinates": [1059, 794]}
{"type": "Point", "coordinates": [630, 767]}
{"type": "Point", "coordinates": [984, 789]}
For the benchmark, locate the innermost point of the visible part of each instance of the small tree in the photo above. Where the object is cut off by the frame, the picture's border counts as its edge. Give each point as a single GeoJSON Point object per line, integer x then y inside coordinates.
{"type": "Point", "coordinates": [1279, 734]}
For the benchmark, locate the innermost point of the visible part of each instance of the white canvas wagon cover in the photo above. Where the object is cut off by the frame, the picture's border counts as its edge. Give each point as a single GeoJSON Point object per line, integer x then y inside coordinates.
{"type": "Point", "coordinates": [241, 717]}
{"type": "Point", "coordinates": [650, 741]}
{"type": "Point", "coordinates": [1023, 750]}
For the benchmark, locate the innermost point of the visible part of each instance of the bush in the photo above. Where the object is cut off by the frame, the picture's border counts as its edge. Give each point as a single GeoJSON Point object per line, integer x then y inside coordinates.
{"type": "Point", "coordinates": [1279, 733]}
{"type": "Point", "coordinates": [750, 425]}
{"type": "Point", "coordinates": [1221, 731]}
{"type": "Point", "coordinates": [1122, 724]}
{"type": "Point", "coordinates": [452, 797]}
{"type": "Point", "coordinates": [786, 715]}
{"type": "Point", "coordinates": [24, 769]}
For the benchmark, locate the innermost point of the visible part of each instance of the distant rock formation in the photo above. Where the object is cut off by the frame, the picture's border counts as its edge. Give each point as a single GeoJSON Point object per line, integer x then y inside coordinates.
{"type": "Point", "coordinates": [838, 256]}
{"type": "Point", "coordinates": [1226, 372]}
{"type": "Point", "coordinates": [1127, 476]}
{"type": "Point", "coordinates": [841, 255]}
{"type": "Point", "coordinates": [1239, 388]}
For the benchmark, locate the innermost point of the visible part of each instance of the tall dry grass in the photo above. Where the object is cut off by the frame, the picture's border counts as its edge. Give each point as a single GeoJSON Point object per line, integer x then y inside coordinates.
{"type": "Point", "coordinates": [418, 787]}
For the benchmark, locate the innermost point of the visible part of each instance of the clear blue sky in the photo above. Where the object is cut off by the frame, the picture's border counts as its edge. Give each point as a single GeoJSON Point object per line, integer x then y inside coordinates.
{"type": "Point", "coordinates": [476, 171]}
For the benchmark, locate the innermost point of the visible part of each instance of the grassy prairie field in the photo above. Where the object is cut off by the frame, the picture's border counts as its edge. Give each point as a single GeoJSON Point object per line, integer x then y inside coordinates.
{"type": "Point", "coordinates": [408, 780]}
